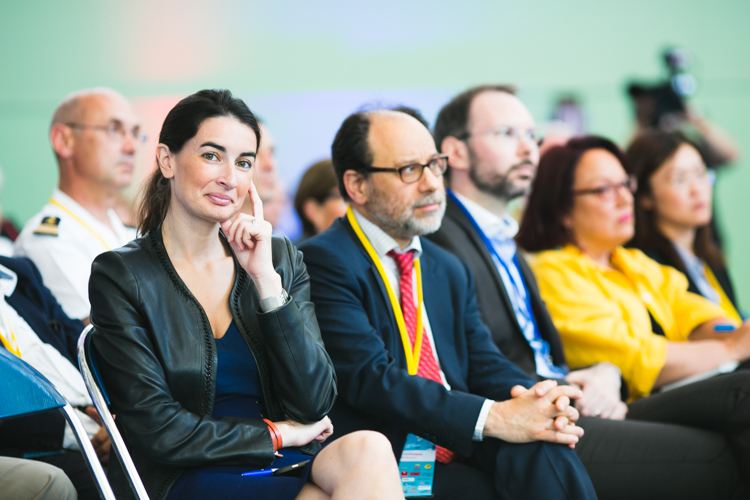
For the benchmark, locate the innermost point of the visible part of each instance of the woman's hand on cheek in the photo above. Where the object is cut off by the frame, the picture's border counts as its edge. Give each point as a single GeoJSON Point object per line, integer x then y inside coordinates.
{"type": "Point", "coordinates": [250, 237]}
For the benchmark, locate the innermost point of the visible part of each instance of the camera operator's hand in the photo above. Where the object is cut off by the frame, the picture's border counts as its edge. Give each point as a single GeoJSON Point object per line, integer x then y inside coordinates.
{"type": "Point", "coordinates": [722, 148]}
{"type": "Point", "coordinates": [541, 413]}
{"type": "Point", "coordinates": [294, 433]}
{"type": "Point", "coordinates": [251, 240]}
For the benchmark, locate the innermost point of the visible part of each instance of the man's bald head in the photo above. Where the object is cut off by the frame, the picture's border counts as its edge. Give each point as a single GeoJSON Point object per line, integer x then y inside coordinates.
{"type": "Point", "coordinates": [95, 134]}
{"type": "Point", "coordinates": [73, 108]}
{"type": "Point", "coordinates": [352, 147]}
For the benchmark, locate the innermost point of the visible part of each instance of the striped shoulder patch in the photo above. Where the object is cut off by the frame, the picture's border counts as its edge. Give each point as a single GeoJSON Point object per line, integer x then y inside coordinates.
{"type": "Point", "coordinates": [49, 226]}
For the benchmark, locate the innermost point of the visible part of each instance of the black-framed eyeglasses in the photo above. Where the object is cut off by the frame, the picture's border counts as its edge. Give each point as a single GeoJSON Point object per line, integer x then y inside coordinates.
{"type": "Point", "coordinates": [413, 172]}
{"type": "Point", "coordinates": [115, 130]}
{"type": "Point", "coordinates": [513, 133]}
{"type": "Point", "coordinates": [609, 191]}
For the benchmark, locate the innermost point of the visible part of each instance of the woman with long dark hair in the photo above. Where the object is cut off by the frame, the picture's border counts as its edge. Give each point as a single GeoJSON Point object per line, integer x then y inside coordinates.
{"type": "Point", "coordinates": [673, 213]}
{"type": "Point", "coordinates": [207, 341]}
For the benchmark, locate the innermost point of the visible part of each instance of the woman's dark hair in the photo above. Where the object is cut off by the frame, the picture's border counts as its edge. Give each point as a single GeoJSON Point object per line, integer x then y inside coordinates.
{"type": "Point", "coordinates": [315, 184]}
{"type": "Point", "coordinates": [551, 197]}
{"type": "Point", "coordinates": [648, 152]}
{"type": "Point", "coordinates": [181, 125]}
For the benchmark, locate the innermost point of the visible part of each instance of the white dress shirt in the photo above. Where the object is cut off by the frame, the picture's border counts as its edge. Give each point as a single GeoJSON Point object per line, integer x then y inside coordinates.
{"type": "Point", "coordinates": [65, 260]}
{"type": "Point", "coordinates": [383, 243]}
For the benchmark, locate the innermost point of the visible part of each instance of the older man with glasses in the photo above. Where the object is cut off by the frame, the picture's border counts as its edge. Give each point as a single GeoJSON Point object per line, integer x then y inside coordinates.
{"type": "Point", "coordinates": [95, 135]}
{"type": "Point", "coordinates": [414, 361]}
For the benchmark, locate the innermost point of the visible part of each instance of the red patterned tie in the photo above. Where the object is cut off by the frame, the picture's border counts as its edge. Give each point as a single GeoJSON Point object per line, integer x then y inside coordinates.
{"type": "Point", "coordinates": [428, 367]}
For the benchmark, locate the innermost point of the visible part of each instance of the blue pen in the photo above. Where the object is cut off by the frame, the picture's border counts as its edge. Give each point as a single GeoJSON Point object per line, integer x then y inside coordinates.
{"type": "Point", "coordinates": [724, 328]}
{"type": "Point", "coordinates": [261, 472]}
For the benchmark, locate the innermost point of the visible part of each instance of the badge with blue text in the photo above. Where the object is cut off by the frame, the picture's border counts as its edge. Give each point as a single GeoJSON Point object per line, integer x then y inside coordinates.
{"type": "Point", "coordinates": [417, 467]}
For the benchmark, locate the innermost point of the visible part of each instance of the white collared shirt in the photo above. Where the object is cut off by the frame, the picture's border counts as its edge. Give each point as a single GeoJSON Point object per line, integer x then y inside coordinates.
{"type": "Point", "coordinates": [64, 261]}
{"type": "Point", "coordinates": [383, 243]}
{"type": "Point", "coordinates": [43, 357]}
{"type": "Point", "coordinates": [500, 231]}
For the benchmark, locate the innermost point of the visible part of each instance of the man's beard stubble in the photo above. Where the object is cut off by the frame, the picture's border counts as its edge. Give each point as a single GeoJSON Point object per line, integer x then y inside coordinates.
{"type": "Point", "coordinates": [403, 223]}
{"type": "Point", "coordinates": [500, 186]}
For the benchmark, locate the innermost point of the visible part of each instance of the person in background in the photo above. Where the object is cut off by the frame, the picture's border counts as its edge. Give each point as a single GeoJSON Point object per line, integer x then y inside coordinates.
{"type": "Point", "coordinates": [318, 201]}
{"type": "Point", "coordinates": [661, 108]}
{"type": "Point", "coordinates": [498, 434]}
{"type": "Point", "coordinates": [34, 327]}
{"type": "Point", "coordinates": [615, 304]}
{"type": "Point", "coordinates": [266, 179]}
{"type": "Point", "coordinates": [207, 341]}
{"type": "Point", "coordinates": [673, 214]}
{"type": "Point", "coordinates": [28, 480]}
{"type": "Point", "coordinates": [95, 135]}
{"type": "Point", "coordinates": [272, 189]}
{"type": "Point", "coordinates": [492, 147]}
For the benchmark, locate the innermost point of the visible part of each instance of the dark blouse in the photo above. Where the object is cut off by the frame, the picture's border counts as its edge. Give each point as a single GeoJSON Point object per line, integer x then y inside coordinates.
{"type": "Point", "coordinates": [239, 394]}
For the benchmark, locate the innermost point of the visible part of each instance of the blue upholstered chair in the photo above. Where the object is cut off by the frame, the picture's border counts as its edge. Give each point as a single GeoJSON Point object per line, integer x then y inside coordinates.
{"type": "Point", "coordinates": [24, 391]}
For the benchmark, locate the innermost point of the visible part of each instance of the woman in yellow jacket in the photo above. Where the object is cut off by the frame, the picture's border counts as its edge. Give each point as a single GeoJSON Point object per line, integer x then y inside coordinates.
{"type": "Point", "coordinates": [615, 304]}
{"type": "Point", "coordinates": [610, 303]}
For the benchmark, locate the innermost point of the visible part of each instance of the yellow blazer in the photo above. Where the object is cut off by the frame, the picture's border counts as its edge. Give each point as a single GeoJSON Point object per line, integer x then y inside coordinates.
{"type": "Point", "coordinates": [602, 315]}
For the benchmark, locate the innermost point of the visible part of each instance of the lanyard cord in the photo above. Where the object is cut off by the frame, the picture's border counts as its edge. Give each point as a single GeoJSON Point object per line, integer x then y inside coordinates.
{"type": "Point", "coordinates": [522, 304]}
{"type": "Point", "coordinates": [522, 294]}
{"type": "Point", "coordinates": [14, 346]}
{"type": "Point", "coordinates": [58, 204]}
{"type": "Point", "coordinates": [412, 357]}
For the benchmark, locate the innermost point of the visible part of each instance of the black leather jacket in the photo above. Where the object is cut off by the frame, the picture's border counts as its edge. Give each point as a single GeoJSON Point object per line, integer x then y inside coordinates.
{"type": "Point", "coordinates": [157, 357]}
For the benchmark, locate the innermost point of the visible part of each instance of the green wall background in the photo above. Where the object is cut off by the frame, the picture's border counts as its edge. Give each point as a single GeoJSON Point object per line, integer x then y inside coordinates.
{"type": "Point", "coordinates": [547, 47]}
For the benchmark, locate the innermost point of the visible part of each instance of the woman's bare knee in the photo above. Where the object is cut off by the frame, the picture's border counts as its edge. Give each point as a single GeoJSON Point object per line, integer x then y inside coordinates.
{"type": "Point", "coordinates": [358, 465]}
{"type": "Point", "coordinates": [312, 492]}
{"type": "Point", "coordinates": [362, 448]}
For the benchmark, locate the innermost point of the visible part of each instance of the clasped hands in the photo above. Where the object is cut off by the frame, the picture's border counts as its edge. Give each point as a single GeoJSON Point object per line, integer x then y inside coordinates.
{"type": "Point", "coordinates": [540, 413]}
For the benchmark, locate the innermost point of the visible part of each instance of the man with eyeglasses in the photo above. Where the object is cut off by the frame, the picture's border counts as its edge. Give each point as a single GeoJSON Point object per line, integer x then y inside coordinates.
{"type": "Point", "coordinates": [400, 321]}
{"type": "Point", "coordinates": [490, 140]}
{"type": "Point", "coordinates": [95, 135]}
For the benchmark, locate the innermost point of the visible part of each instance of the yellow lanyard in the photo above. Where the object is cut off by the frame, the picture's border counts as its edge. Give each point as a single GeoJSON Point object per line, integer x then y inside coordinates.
{"type": "Point", "coordinates": [724, 303]}
{"type": "Point", "coordinates": [57, 203]}
{"type": "Point", "coordinates": [14, 346]}
{"type": "Point", "coordinates": [412, 357]}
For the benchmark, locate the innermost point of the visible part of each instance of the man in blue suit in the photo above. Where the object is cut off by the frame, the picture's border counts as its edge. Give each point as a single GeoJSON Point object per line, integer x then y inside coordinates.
{"type": "Point", "coordinates": [428, 368]}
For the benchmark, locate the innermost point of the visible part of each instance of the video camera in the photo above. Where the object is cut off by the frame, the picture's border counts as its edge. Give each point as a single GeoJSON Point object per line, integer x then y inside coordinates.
{"type": "Point", "coordinates": [655, 103]}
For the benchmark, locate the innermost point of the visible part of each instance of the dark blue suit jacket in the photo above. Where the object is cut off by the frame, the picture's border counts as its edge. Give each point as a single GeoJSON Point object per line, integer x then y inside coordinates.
{"type": "Point", "coordinates": [35, 304]}
{"type": "Point", "coordinates": [362, 337]}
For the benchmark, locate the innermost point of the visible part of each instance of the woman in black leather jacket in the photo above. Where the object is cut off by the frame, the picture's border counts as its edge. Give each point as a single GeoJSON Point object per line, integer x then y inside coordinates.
{"type": "Point", "coordinates": [206, 339]}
